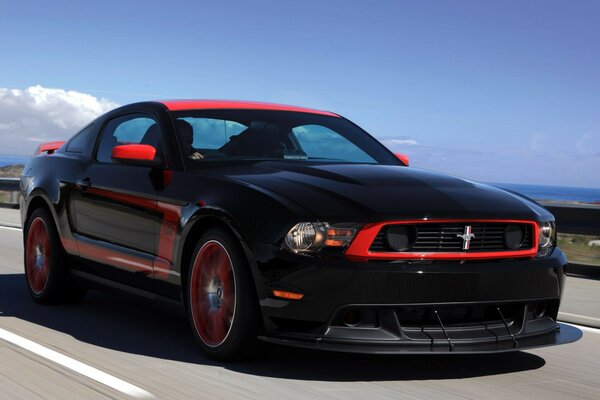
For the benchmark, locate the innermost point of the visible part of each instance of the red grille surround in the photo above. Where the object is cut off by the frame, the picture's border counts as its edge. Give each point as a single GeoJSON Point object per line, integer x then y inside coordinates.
{"type": "Point", "coordinates": [359, 248]}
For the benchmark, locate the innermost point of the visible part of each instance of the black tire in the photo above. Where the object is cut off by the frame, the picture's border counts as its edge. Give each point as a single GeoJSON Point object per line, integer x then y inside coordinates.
{"type": "Point", "coordinates": [46, 268]}
{"type": "Point", "coordinates": [208, 298]}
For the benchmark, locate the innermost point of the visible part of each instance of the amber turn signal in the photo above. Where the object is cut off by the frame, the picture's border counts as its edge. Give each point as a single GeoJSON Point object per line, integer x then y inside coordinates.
{"type": "Point", "coordinates": [339, 237]}
{"type": "Point", "coordinates": [287, 295]}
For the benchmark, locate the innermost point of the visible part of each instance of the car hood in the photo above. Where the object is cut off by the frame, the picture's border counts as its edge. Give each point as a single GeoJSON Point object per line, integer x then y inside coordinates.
{"type": "Point", "coordinates": [358, 192]}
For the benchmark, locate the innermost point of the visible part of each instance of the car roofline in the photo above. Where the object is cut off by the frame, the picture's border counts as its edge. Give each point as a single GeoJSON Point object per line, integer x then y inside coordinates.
{"type": "Point", "coordinates": [181, 105]}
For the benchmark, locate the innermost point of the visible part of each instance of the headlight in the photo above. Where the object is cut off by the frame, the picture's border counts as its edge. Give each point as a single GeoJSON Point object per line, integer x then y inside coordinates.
{"type": "Point", "coordinates": [306, 236]}
{"type": "Point", "coordinates": [546, 238]}
{"type": "Point", "coordinates": [309, 237]}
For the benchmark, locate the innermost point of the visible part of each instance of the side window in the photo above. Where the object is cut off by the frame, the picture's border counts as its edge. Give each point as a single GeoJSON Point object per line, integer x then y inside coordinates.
{"type": "Point", "coordinates": [129, 129]}
{"type": "Point", "coordinates": [209, 133]}
{"type": "Point", "coordinates": [81, 141]}
{"type": "Point", "coordinates": [321, 142]}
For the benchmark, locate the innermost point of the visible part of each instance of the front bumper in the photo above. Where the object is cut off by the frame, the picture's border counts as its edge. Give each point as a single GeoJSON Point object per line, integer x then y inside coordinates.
{"type": "Point", "coordinates": [563, 334]}
{"type": "Point", "coordinates": [496, 306]}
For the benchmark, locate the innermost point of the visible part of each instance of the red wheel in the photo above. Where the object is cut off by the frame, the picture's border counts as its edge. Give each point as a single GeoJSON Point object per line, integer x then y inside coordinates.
{"type": "Point", "coordinates": [221, 297]}
{"type": "Point", "coordinates": [212, 293]}
{"type": "Point", "coordinates": [38, 256]}
{"type": "Point", "coordinates": [46, 266]}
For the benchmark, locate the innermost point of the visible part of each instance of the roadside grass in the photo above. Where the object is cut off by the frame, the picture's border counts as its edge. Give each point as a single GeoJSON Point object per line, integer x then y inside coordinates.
{"type": "Point", "coordinates": [578, 249]}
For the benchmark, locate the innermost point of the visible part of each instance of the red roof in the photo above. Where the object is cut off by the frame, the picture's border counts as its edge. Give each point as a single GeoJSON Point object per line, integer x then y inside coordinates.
{"type": "Point", "coordinates": [178, 105]}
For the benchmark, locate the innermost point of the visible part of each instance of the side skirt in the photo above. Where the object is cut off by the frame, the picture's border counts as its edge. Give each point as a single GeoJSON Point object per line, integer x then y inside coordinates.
{"type": "Point", "coordinates": [106, 285]}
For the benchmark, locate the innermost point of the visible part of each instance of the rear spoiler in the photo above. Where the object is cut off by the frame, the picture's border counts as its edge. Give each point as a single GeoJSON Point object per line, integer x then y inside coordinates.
{"type": "Point", "coordinates": [48, 148]}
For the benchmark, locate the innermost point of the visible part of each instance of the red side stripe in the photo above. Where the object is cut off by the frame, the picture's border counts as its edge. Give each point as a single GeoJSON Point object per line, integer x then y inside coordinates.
{"type": "Point", "coordinates": [166, 243]}
{"type": "Point", "coordinates": [163, 261]}
{"type": "Point", "coordinates": [70, 245]}
{"type": "Point", "coordinates": [115, 258]}
{"type": "Point", "coordinates": [139, 201]}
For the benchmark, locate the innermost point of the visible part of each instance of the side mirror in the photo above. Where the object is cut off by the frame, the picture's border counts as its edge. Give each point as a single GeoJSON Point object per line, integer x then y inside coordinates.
{"type": "Point", "coordinates": [403, 158]}
{"type": "Point", "coordinates": [135, 154]}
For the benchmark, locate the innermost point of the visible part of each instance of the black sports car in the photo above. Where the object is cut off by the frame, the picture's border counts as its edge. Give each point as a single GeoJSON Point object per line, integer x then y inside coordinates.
{"type": "Point", "coordinates": [292, 226]}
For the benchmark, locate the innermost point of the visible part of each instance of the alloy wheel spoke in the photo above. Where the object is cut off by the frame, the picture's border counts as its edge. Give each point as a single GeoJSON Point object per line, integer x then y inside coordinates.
{"type": "Point", "coordinates": [37, 261]}
{"type": "Point", "coordinates": [212, 293]}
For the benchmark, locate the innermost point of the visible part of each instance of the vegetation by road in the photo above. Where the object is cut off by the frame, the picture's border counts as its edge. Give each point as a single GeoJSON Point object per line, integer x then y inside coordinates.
{"type": "Point", "coordinates": [9, 171]}
{"type": "Point", "coordinates": [580, 249]}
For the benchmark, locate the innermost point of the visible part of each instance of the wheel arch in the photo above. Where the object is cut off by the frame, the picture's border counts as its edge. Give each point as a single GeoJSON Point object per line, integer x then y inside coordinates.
{"type": "Point", "coordinates": [38, 199]}
{"type": "Point", "coordinates": [200, 223]}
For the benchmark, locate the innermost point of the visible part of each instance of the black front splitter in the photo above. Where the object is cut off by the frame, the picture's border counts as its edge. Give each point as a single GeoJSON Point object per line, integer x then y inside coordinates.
{"type": "Point", "coordinates": [563, 335]}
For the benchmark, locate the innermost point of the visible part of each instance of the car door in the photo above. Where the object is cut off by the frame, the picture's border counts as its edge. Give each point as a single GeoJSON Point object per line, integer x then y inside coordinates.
{"type": "Point", "coordinates": [116, 220]}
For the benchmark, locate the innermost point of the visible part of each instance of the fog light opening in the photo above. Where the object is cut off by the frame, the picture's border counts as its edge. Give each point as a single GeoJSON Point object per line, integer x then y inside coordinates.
{"type": "Point", "coordinates": [352, 317]}
{"type": "Point", "coordinates": [539, 310]}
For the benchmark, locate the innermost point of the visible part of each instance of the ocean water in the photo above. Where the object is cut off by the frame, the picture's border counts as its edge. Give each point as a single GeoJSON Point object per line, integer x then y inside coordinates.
{"type": "Point", "coordinates": [8, 160]}
{"type": "Point", "coordinates": [537, 192]}
{"type": "Point", "coordinates": [557, 193]}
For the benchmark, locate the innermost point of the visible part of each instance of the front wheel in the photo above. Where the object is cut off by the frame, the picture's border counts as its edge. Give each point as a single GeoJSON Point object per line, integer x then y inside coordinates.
{"type": "Point", "coordinates": [221, 298]}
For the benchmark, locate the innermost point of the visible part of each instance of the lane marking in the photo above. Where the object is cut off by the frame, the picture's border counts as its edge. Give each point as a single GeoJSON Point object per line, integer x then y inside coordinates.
{"type": "Point", "coordinates": [585, 328]}
{"type": "Point", "coordinates": [10, 228]}
{"type": "Point", "coordinates": [578, 316]}
{"type": "Point", "coordinates": [75, 366]}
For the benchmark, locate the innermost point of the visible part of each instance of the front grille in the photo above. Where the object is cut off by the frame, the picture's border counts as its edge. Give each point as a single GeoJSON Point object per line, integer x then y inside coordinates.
{"type": "Point", "coordinates": [443, 237]}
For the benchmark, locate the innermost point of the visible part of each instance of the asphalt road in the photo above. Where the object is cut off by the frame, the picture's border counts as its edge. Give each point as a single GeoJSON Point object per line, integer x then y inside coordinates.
{"type": "Point", "coordinates": [117, 347]}
{"type": "Point", "coordinates": [10, 217]}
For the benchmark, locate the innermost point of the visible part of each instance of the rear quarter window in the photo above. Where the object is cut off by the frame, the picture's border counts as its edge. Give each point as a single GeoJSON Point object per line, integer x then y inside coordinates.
{"type": "Point", "coordinates": [81, 141]}
{"type": "Point", "coordinates": [210, 133]}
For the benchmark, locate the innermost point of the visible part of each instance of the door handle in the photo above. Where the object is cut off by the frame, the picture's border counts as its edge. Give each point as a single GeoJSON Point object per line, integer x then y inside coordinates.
{"type": "Point", "coordinates": [83, 184]}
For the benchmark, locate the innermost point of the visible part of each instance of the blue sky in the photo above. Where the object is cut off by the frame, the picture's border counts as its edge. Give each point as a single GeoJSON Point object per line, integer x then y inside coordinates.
{"type": "Point", "coordinates": [505, 91]}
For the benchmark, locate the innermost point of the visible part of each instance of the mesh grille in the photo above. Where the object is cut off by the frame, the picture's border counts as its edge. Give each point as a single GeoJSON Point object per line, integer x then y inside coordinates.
{"type": "Point", "coordinates": [400, 238]}
{"type": "Point", "coordinates": [513, 236]}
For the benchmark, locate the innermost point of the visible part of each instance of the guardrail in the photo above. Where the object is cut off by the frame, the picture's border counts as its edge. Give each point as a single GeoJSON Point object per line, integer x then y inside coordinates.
{"type": "Point", "coordinates": [579, 219]}
{"type": "Point", "coordinates": [10, 185]}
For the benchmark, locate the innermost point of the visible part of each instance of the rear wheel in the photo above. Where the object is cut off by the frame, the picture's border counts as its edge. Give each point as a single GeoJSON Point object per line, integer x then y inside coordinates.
{"type": "Point", "coordinates": [221, 298]}
{"type": "Point", "coordinates": [46, 269]}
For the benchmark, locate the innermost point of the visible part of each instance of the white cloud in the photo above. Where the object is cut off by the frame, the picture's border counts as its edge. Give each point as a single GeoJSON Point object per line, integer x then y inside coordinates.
{"type": "Point", "coordinates": [505, 165]}
{"type": "Point", "coordinates": [537, 142]}
{"type": "Point", "coordinates": [588, 143]}
{"type": "Point", "coordinates": [38, 114]}
{"type": "Point", "coordinates": [402, 141]}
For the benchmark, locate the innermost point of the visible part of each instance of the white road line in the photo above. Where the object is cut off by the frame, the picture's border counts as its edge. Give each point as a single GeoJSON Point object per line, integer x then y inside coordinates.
{"type": "Point", "coordinates": [74, 365]}
{"type": "Point", "coordinates": [585, 328]}
{"type": "Point", "coordinates": [10, 228]}
{"type": "Point", "coordinates": [579, 316]}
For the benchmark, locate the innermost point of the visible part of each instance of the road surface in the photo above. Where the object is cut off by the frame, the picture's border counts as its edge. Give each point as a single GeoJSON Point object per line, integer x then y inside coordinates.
{"type": "Point", "coordinates": [111, 347]}
{"type": "Point", "coordinates": [10, 217]}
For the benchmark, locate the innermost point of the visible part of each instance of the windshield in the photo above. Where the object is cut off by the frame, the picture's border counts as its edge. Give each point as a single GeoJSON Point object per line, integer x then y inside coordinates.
{"type": "Point", "coordinates": [229, 135]}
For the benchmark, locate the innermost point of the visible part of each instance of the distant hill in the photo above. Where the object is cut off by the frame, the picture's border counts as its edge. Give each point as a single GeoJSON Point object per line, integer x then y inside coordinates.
{"type": "Point", "coordinates": [11, 171]}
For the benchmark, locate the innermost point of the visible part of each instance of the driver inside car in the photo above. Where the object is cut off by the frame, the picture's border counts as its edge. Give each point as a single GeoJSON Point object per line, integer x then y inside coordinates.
{"type": "Point", "coordinates": [186, 134]}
